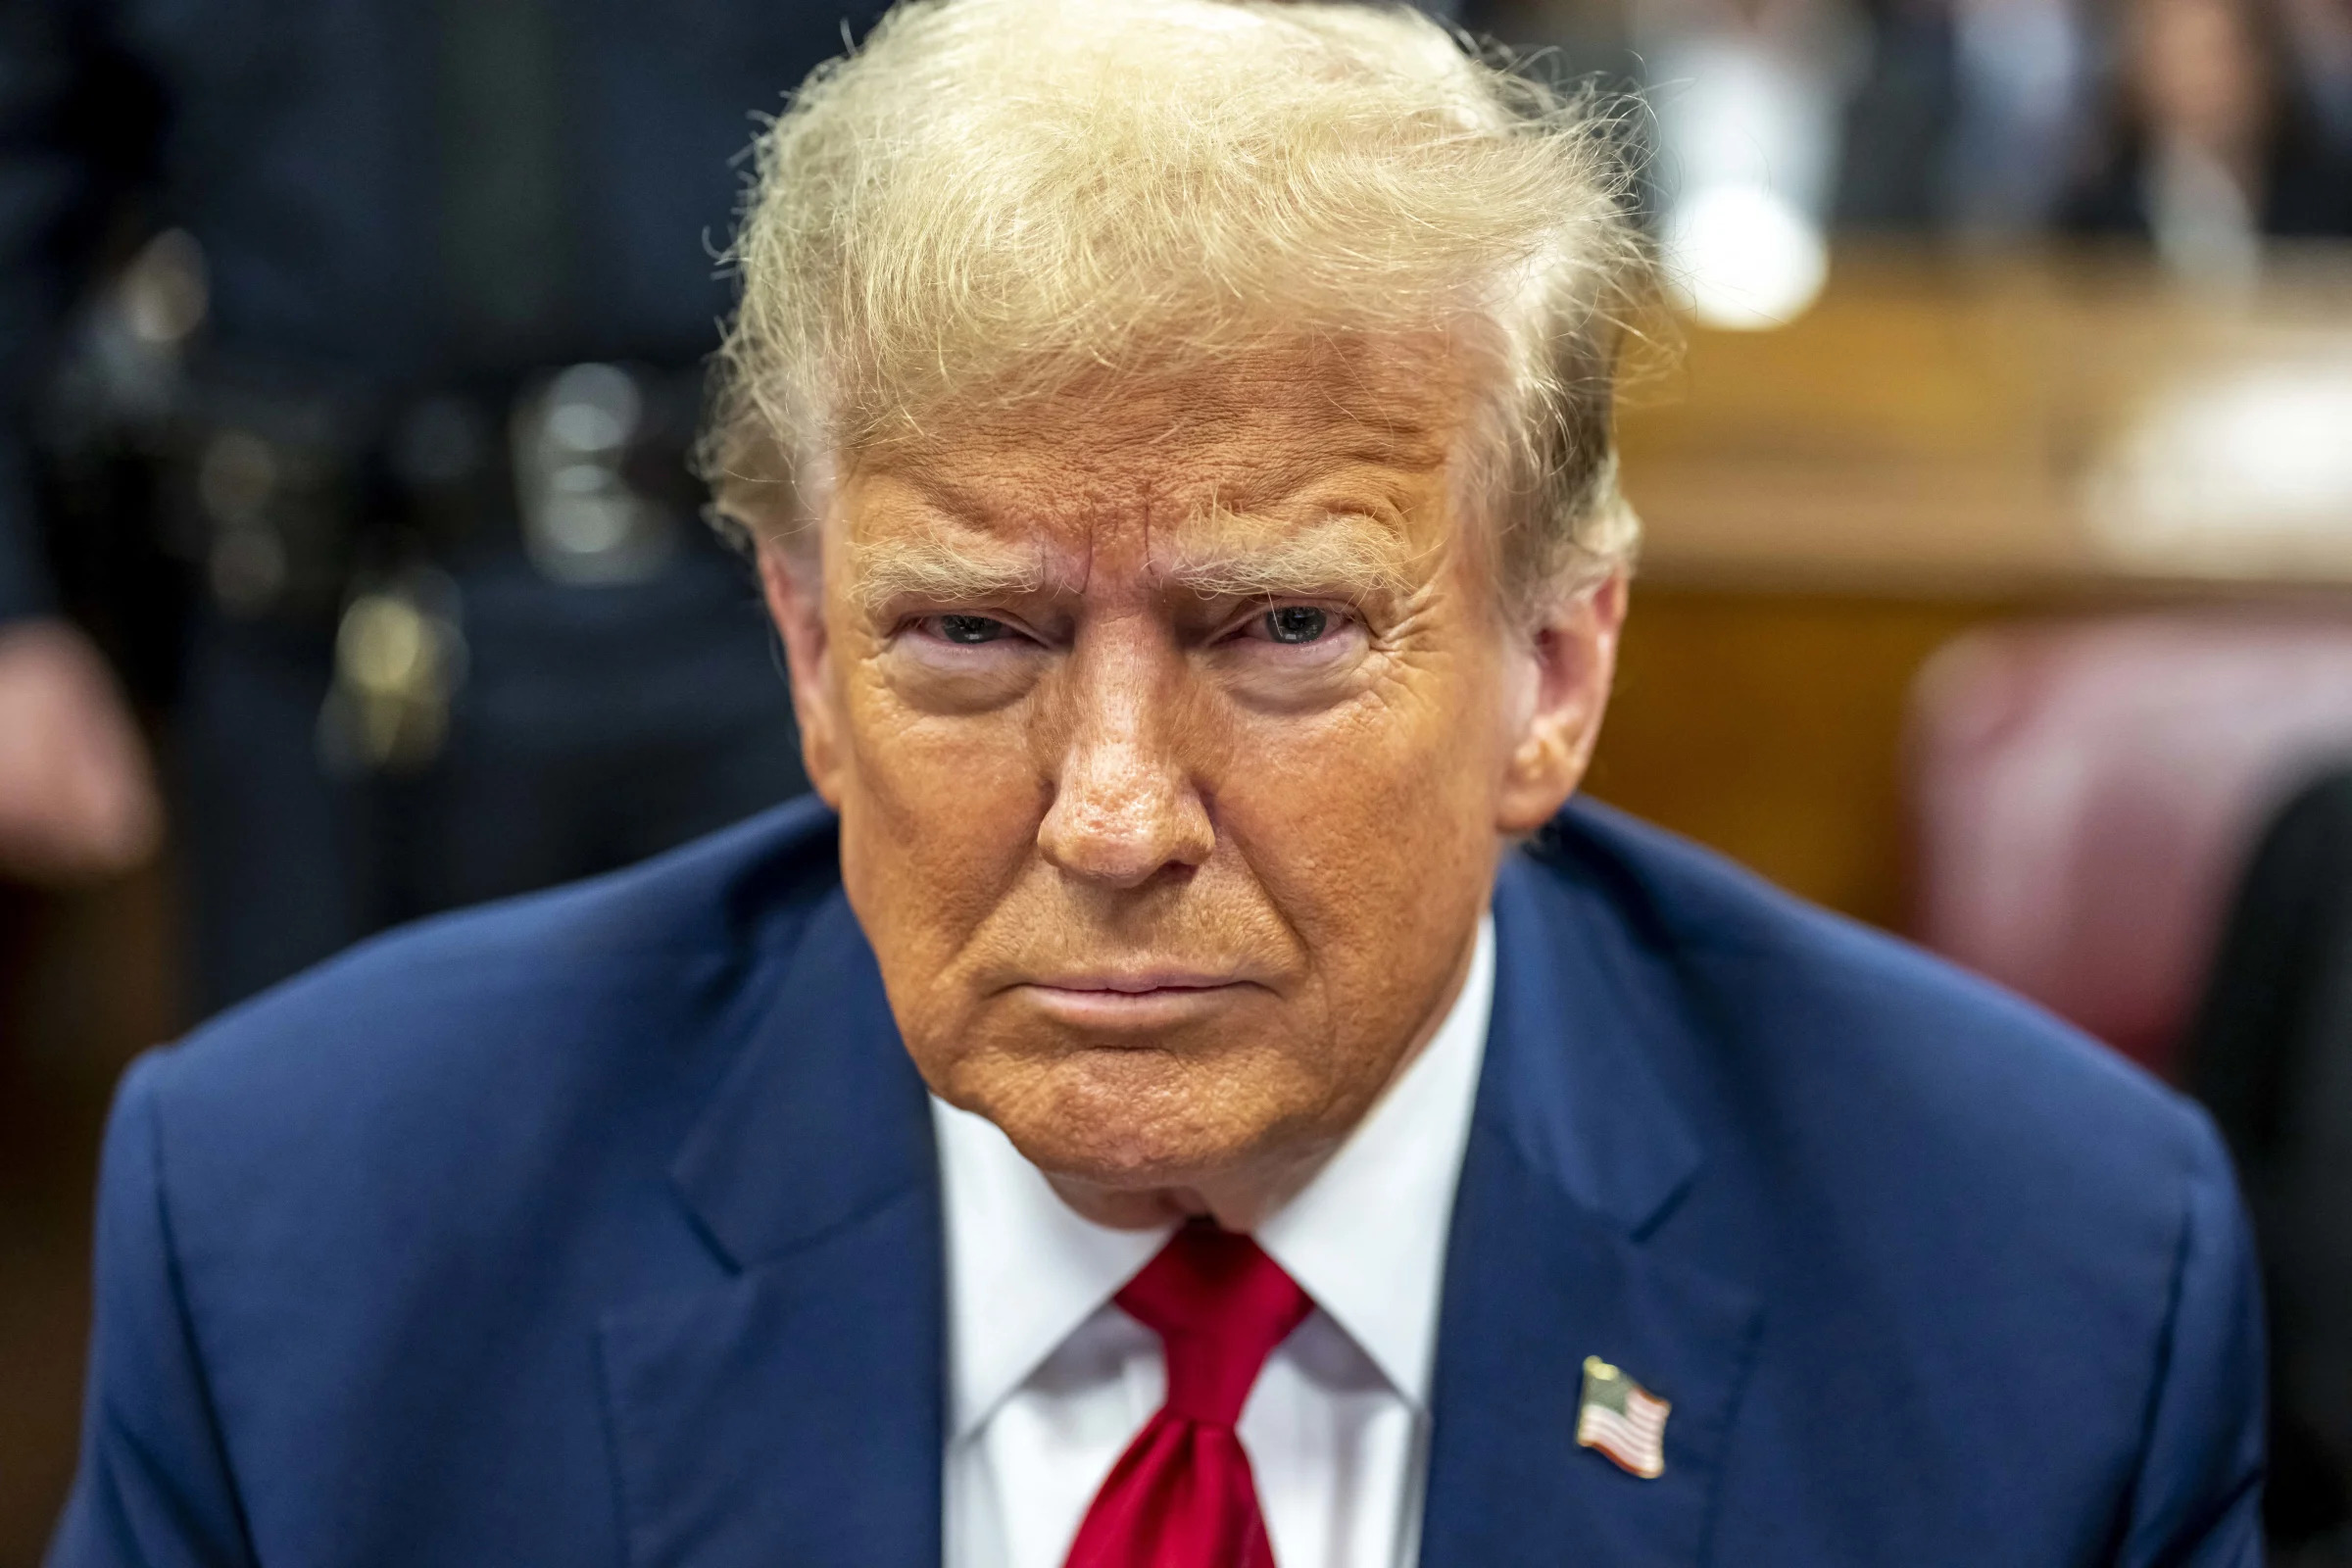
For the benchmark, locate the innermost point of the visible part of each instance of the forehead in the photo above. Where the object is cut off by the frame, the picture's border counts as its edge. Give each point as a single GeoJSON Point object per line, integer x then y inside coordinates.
{"type": "Point", "coordinates": [1209, 451]}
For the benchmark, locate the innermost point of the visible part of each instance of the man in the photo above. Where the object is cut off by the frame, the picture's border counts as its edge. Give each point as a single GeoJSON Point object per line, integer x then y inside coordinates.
{"type": "Point", "coordinates": [1196, 1097]}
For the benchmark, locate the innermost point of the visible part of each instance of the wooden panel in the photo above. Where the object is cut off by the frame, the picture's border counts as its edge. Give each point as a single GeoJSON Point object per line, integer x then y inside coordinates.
{"type": "Point", "coordinates": [1768, 725]}
{"type": "Point", "coordinates": [1935, 444]}
{"type": "Point", "coordinates": [1930, 427]}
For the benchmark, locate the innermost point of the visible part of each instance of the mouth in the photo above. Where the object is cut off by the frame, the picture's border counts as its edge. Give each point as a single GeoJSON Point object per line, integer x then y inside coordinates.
{"type": "Point", "coordinates": [1143, 1000]}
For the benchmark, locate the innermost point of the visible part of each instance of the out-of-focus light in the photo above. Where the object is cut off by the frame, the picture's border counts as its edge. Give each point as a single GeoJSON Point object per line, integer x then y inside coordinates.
{"type": "Point", "coordinates": [1744, 258]}
{"type": "Point", "coordinates": [163, 293]}
{"type": "Point", "coordinates": [2240, 473]}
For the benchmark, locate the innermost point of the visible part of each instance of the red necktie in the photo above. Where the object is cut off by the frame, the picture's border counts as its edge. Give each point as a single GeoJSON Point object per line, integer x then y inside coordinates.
{"type": "Point", "coordinates": [1181, 1496]}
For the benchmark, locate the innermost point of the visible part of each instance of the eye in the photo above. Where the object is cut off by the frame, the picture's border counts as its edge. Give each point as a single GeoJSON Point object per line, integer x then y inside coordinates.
{"type": "Point", "coordinates": [1297, 623]}
{"type": "Point", "coordinates": [971, 629]}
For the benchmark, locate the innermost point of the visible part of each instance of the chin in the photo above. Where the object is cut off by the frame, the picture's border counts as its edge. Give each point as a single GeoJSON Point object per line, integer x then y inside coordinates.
{"type": "Point", "coordinates": [1134, 1120]}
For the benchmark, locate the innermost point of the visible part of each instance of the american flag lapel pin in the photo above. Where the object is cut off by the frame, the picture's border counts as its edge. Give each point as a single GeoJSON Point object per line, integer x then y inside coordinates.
{"type": "Point", "coordinates": [1623, 1420]}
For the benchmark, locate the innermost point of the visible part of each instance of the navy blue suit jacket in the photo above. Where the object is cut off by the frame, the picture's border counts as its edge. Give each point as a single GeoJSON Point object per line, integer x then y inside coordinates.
{"type": "Point", "coordinates": [604, 1227]}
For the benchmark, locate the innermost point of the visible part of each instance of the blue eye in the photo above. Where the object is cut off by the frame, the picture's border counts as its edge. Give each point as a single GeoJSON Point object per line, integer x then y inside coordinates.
{"type": "Point", "coordinates": [970, 629]}
{"type": "Point", "coordinates": [1297, 623]}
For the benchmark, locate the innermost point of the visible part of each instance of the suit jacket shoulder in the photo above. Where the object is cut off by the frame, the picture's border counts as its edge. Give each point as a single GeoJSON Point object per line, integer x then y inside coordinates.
{"type": "Point", "coordinates": [504, 1012]}
{"type": "Point", "coordinates": [1836, 1026]}
{"type": "Point", "coordinates": [355, 1236]}
{"type": "Point", "coordinates": [1971, 1241]}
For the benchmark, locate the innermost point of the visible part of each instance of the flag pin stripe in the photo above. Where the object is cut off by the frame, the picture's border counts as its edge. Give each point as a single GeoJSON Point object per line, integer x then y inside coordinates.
{"type": "Point", "coordinates": [1623, 1420]}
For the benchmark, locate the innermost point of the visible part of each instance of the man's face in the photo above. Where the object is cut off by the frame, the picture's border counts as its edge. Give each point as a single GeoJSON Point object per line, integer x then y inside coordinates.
{"type": "Point", "coordinates": [1171, 733]}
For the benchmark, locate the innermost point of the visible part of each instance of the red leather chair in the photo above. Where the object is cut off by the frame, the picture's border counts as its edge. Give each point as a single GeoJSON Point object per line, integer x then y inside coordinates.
{"type": "Point", "coordinates": [2086, 795]}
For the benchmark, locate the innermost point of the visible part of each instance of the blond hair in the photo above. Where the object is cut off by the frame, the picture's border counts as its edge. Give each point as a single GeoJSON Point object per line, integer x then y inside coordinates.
{"type": "Point", "coordinates": [993, 197]}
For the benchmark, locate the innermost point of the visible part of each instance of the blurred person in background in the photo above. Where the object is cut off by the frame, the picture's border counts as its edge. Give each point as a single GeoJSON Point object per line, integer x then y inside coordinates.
{"type": "Point", "coordinates": [2203, 126]}
{"type": "Point", "coordinates": [2270, 1055]}
{"type": "Point", "coordinates": [1745, 95]}
{"type": "Point", "coordinates": [2319, 33]}
{"type": "Point", "coordinates": [1967, 118]}
{"type": "Point", "coordinates": [2226, 126]}
{"type": "Point", "coordinates": [2020, 67]}
{"type": "Point", "coordinates": [406, 382]}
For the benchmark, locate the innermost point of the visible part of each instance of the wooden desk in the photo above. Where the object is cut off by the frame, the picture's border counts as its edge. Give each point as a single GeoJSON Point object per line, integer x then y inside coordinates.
{"type": "Point", "coordinates": [1936, 447]}
{"type": "Point", "coordinates": [1934, 427]}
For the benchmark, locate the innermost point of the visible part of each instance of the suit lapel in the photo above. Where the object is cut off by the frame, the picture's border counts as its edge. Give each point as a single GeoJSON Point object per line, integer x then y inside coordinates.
{"type": "Point", "coordinates": [1576, 1156]}
{"type": "Point", "coordinates": [790, 1412]}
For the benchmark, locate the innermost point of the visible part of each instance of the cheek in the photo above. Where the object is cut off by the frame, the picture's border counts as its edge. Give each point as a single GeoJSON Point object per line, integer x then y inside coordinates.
{"type": "Point", "coordinates": [1369, 825]}
{"type": "Point", "coordinates": [938, 817]}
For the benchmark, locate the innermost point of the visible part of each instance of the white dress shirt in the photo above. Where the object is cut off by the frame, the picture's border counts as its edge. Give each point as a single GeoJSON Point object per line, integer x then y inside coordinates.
{"type": "Point", "coordinates": [1049, 1380]}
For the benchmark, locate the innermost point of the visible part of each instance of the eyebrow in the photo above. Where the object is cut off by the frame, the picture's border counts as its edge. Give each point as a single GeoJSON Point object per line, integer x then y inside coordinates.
{"type": "Point", "coordinates": [929, 568]}
{"type": "Point", "coordinates": [1345, 556]}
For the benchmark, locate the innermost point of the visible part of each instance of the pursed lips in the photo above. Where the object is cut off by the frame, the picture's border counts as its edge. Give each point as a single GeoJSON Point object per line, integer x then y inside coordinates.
{"type": "Point", "coordinates": [1132, 985]}
{"type": "Point", "coordinates": [1137, 999]}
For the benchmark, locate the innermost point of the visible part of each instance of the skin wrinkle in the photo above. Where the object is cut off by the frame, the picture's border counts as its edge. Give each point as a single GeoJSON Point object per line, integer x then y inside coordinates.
{"type": "Point", "coordinates": [1222, 553]}
{"type": "Point", "coordinates": [1135, 778]}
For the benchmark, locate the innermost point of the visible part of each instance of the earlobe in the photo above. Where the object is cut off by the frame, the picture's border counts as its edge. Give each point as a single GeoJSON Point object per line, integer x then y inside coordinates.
{"type": "Point", "coordinates": [1574, 656]}
{"type": "Point", "coordinates": [796, 604]}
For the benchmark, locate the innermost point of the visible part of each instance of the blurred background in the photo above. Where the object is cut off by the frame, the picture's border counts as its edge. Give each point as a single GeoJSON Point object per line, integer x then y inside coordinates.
{"type": "Point", "coordinates": [1997, 463]}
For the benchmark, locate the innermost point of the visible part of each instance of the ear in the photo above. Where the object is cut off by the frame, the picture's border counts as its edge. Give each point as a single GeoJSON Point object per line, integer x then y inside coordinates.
{"type": "Point", "coordinates": [794, 587]}
{"type": "Point", "coordinates": [1570, 655]}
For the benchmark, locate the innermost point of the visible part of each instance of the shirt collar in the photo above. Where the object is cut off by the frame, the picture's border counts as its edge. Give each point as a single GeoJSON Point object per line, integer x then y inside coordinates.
{"type": "Point", "coordinates": [1365, 1238]}
{"type": "Point", "coordinates": [1024, 1269]}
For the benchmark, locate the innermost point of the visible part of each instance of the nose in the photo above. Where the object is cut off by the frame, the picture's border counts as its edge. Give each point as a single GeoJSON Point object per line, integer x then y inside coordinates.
{"type": "Point", "coordinates": [1125, 806]}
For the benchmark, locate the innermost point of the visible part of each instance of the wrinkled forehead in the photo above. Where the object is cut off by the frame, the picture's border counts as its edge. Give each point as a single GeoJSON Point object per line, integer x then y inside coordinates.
{"type": "Point", "coordinates": [1208, 460]}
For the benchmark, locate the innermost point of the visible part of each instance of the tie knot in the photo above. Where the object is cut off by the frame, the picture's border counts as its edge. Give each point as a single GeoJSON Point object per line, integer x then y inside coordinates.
{"type": "Point", "coordinates": [1219, 1305]}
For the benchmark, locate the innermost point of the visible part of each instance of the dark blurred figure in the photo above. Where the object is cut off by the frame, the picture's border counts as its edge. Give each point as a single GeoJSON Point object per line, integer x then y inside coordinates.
{"type": "Point", "coordinates": [1969, 119]}
{"type": "Point", "coordinates": [2270, 1055]}
{"type": "Point", "coordinates": [2203, 126]}
{"type": "Point", "coordinates": [2224, 129]}
{"type": "Point", "coordinates": [401, 395]}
